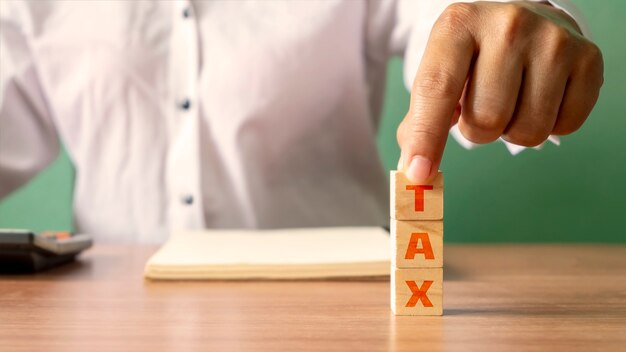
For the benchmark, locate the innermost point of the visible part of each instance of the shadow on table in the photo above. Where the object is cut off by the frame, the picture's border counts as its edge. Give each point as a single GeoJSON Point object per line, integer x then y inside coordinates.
{"type": "Point", "coordinates": [75, 267]}
{"type": "Point", "coordinates": [539, 311]}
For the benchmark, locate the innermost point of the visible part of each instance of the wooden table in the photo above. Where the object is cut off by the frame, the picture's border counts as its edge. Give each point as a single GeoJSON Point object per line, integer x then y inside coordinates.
{"type": "Point", "coordinates": [513, 297]}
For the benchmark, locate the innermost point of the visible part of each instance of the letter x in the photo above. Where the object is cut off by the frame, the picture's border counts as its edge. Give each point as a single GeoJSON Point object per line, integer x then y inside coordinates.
{"type": "Point", "coordinates": [419, 294]}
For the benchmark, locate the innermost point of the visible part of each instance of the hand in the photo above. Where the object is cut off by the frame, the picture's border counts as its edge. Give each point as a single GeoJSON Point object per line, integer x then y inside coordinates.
{"type": "Point", "coordinates": [521, 71]}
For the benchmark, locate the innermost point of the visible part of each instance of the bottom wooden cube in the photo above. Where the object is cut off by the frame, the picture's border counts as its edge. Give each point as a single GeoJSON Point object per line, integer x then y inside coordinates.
{"type": "Point", "coordinates": [417, 291]}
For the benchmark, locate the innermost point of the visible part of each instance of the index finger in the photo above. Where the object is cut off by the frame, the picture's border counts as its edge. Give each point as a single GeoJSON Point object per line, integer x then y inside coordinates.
{"type": "Point", "coordinates": [436, 91]}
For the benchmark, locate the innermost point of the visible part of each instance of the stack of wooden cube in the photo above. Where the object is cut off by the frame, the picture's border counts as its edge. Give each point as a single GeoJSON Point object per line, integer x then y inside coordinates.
{"type": "Point", "coordinates": [417, 246]}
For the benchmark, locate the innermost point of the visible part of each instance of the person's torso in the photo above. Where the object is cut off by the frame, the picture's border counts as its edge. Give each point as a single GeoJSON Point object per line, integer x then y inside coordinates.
{"type": "Point", "coordinates": [226, 114]}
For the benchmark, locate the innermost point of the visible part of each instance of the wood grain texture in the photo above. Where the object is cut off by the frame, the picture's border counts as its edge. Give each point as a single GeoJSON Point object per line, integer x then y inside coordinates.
{"type": "Point", "coordinates": [425, 236]}
{"type": "Point", "coordinates": [403, 200]}
{"type": "Point", "coordinates": [497, 298]}
{"type": "Point", "coordinates": [417, 291]}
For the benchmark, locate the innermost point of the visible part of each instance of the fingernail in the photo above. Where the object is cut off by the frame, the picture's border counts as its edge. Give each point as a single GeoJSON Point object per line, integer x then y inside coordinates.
{"type": "Point", "coordinates": [400, 164]}
{"type": "Point", "coordinates": [419, 169]}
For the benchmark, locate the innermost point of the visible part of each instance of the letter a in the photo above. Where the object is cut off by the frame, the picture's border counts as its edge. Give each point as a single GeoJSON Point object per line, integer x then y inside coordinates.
{"type": "Point", "coordinates": [413, 248]}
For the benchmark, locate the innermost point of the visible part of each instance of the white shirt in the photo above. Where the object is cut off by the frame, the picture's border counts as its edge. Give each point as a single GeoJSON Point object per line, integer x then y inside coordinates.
{"type": "Point", "coordinates": [186, 115]}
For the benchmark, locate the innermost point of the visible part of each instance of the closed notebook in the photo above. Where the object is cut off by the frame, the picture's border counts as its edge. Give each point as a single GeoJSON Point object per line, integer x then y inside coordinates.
{"type": "Point", "coordinates": [339, 252]}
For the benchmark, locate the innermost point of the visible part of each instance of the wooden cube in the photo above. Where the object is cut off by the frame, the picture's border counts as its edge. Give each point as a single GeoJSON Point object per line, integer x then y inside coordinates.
{"type": "Point", "coordinates": [410, 201]}
{"type": "Point", "coordinates": [417, 244]}
{"type": "Point", "coordinates": [417, 291]}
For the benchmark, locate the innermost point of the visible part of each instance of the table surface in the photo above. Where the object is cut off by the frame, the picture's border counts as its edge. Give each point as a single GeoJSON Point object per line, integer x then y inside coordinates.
{"type": "Point", "coordinates": [496, 297]}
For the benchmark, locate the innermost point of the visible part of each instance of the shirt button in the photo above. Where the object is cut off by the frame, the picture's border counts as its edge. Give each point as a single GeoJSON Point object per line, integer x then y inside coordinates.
{"type": "Point", "coordinates": [188, 199]}
{"type": "Point", "coordinates": [186, 12]}
{"type": "Point", "coordinates": [185, 104]}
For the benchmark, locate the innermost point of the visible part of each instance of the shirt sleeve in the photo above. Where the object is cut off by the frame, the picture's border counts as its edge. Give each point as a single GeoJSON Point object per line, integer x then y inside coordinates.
{"type": "Point", "coordinates": [28, 138]}
{"type": "Point", "coordinates": [414, 21]}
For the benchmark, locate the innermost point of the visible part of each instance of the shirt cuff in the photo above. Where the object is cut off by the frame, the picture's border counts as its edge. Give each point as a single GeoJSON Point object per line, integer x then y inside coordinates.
{"type": "Point", "coordinates": [569, 8]}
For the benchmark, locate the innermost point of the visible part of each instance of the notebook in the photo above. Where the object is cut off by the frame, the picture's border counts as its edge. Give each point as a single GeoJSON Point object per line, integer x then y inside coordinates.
{"type": "Point", "coordinates": [315, 253]}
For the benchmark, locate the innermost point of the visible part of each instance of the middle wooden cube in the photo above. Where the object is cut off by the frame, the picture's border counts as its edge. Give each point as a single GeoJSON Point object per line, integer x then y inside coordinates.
{"type": "Point", "coordinates": [417, 244]}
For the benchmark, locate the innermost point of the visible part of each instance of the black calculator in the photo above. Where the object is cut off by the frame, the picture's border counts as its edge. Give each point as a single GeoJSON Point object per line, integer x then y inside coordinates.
{"type": "Point", "coordinates": [23, 251]}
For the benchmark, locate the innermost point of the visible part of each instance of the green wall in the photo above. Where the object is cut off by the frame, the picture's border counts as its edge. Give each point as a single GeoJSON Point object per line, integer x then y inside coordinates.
{"type": "Point", "coordinates": [572, 193]}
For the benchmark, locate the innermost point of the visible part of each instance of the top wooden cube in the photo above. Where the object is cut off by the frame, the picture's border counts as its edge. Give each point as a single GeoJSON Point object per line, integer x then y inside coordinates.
{"type": "Point", "coordinates": [411, 201]}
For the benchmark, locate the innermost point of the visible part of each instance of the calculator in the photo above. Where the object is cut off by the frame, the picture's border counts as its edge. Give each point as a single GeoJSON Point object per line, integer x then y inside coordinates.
{"type": "Point", "coordinates": [23, 251]}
